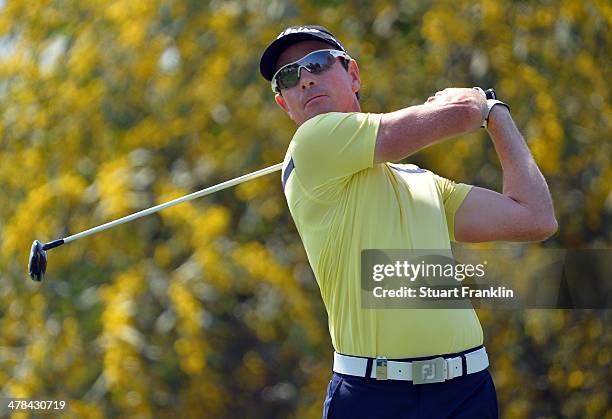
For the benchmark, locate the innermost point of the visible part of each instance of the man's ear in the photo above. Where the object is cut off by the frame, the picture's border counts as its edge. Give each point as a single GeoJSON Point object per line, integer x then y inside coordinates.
{"type": "Point", "coordinates": [281, 102]}
{"type": "Point", "coordinates": [353, 70]}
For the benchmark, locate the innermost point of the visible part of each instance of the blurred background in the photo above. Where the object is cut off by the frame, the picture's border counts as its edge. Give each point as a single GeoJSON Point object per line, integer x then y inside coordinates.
{"type": "Point", "coordinates": [210, 309]}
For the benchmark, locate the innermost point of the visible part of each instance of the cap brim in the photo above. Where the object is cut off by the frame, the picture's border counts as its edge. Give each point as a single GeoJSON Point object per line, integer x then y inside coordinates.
{"type": "Point", "coordinates": [267, 63]}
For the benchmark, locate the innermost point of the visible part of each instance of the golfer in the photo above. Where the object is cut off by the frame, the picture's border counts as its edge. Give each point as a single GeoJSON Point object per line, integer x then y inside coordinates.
{"type": "Point", "coordinates": [345, 194]}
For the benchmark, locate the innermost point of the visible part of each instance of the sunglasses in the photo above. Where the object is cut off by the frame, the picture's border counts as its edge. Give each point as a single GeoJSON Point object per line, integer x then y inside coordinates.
{"type": "Point", "coordinates": [316, 62]}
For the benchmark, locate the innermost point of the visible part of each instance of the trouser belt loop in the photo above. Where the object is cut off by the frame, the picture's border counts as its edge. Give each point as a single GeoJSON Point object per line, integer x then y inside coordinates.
{"type": "Point", "coordinates": [463, 365]}
{"type": "Point", "coordinates": [368, 371]}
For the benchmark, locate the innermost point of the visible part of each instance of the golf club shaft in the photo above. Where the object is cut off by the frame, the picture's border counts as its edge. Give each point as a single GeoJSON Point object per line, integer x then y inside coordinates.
{"type": "Point", "coordinates": [194, 195]}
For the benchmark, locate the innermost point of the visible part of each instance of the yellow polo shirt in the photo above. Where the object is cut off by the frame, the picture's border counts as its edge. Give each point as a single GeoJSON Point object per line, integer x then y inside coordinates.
{"type": "Point", "coordinates": [342, 203]}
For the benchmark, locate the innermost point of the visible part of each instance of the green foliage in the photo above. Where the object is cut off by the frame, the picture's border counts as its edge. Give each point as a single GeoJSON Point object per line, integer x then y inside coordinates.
{"type": "Point", "coordinates": [209, 308]}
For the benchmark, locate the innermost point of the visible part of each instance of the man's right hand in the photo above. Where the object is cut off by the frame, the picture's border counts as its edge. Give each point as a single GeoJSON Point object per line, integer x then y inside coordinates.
{"type": "Point", "coordinates": [459, 94]}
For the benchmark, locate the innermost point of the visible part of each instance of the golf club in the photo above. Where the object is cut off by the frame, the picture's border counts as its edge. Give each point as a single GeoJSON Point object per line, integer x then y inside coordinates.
{"type": "Point", "coordinates": [37, 264]}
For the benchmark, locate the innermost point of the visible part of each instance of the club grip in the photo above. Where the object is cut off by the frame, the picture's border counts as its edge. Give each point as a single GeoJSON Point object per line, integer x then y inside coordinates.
{"type": "Point", "coordinates": [490, 94]}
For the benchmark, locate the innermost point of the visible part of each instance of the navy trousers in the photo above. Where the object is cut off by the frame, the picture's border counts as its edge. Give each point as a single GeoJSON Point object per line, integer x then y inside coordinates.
{"type": "Point", "coordinates": [465, 397]}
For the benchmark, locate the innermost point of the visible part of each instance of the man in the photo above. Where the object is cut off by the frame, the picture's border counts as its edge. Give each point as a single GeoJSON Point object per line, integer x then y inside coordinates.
{"type": "Point", "coordinates": [344, 196]}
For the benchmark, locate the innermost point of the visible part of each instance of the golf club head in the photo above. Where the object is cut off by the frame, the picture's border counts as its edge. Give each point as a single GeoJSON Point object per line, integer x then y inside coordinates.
{"type": "Point", "coordinates": [38, 261]}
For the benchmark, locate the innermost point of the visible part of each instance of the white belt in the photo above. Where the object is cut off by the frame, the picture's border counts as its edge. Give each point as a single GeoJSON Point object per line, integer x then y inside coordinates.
{"type": "Point", "coordinates": [419, 372]}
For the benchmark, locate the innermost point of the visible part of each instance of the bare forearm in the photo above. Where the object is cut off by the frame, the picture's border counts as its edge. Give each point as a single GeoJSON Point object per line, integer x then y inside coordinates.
{"type": "Point", "coordinates": [522, 179]}
{"type": "Point", "coordinates": [446, 115]}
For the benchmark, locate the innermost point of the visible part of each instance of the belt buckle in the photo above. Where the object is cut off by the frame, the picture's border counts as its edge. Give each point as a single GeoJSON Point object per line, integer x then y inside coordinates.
{"type": "Point", "coordinates": [429, 371]}
{"type": "Point", "coordinates": [381, 368]}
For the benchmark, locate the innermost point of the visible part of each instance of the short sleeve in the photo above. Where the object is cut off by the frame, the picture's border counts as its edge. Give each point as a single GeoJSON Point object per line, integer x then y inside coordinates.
{"type": "Point", "coordinates": [331, 147]}
{"type": "Point", "coordinates": [453, 195]}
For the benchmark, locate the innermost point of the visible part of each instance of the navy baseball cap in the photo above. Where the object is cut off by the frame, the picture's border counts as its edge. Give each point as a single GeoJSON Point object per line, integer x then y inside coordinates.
{"type": "Point", "coordinates": [290, 36]}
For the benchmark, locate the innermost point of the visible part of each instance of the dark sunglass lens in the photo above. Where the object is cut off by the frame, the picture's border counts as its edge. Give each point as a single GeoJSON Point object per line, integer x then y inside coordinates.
{"type": "Point", "coordinates": [287, 77]}
{"type": "Point", "coordinates": [319, 62]}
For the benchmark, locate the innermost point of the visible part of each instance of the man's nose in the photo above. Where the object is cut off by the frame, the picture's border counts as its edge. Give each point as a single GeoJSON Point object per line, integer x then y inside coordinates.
{"type": "Point", "coordinates": [307, 79]}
